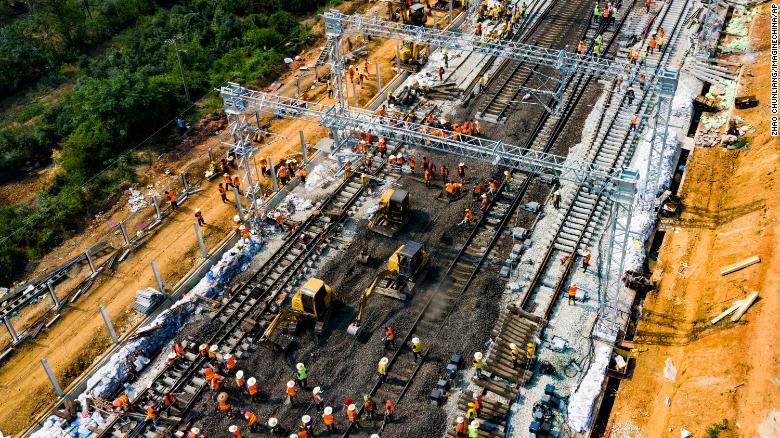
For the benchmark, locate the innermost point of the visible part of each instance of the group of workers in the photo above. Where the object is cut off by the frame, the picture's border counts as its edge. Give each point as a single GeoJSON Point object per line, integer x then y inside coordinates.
{"type": "Point", "coordinates": [508, 17]}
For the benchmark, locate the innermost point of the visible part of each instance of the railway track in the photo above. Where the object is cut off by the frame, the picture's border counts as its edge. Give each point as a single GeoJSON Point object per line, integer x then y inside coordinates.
{"type": "Point", "coordinates": [241, 316]}
{"type": "Point", "coordinates": [585, 212]}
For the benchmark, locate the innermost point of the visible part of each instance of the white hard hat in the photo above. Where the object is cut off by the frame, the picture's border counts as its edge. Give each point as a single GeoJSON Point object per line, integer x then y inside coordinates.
{"type": "Point", "coordinates": [461, 164]}
{"type": "Point", "coordinates": [242, 227]}
{"type": "Point", "coordinates": [197, 210]}
{"type": "Point", "coordinates": [195, 430]}
{"type": "Point", "coordinates": [475, 423]}
{"type": "Point", "coordinates": [316, 390]}
{"type": "Point", "coordinates": [351, 407]}
{"type": "Point", "coordinates": [391, 157]}
{"type": "Point", "coordinates": [384, 360]}
{"type": "Point", "coordinates": [203, 346]}
{"type": "Point", "coordinates": [459, 420]}
{"type": "Point", "coordinates": [290, 384]}
{"type": "Point", "coordinates": [273, 422]}
{"type": "Point", "coordinates": [251, 381]}
{"type": "Point", "coordinates": [233, 428]}
{"type": "Point", "coordinates": [512, 345]}
{"type": "Point", "coordinates": [299, 366]}
{"type": "Point", "coordinates": [415, 340]}
{"type": "Point", "coordinates": [305, 419]}
{"type": "Point", "coordinates": [293, 435]}
{"type": "Point", "coordinates": [228, 356]}
{"type": "Point", "coordinates": [171, 355]}
{"type": "Point", "coordinates": [236, 218]}
{"type": "Point", "coordinates": [375, 435]}
{"type": "Point", "coordinates": [213, 348]}
{"type": "Point", "coordinates": [478, 355]}
{"type": "Point", "coordinates": [239, 374]}
{"type": "Point", "coordinates": [328, 410]}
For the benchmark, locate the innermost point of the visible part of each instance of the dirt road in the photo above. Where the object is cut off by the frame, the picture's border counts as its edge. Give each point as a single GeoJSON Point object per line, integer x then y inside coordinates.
{"type": "Point", "coordinates": [730, 370]}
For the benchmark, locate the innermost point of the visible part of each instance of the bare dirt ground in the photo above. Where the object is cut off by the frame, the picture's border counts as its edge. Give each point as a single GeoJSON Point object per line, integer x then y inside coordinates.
{"type": "Point", "coordinates": [173, 246]}
{"type": "Point", "coordinates": [728, 371]}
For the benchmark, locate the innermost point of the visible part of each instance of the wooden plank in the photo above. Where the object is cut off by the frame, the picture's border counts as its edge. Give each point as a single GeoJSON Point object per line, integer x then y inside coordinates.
{"type": "Point", "coordinates": [740, 265]}
{"type": "Point", "coordinates": [745, 305]}
{"type": "Point", "coordinates": [726, 312]}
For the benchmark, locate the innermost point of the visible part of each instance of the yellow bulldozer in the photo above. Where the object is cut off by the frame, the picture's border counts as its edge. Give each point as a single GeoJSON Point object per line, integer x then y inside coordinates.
{"type": "Point", "coordinates": [313, 302]}
{"type": "Point", "coordinates": [414, 15]}
{"type": "Point", "coordinates": [395, 207]}
{"type": "Point", "coordinates": [404, 267]}
{"type": "Point", "coordinates": [413, 56]}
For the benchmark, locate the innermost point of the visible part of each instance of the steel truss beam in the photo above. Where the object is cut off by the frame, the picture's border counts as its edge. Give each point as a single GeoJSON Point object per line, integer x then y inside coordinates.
{"type": "Point", "coordinates": [238, 99]}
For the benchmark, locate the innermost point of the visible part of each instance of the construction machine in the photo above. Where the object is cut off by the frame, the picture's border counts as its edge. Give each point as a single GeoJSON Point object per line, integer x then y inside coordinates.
{"type": "Point", "coordinates": [395, 206]}
{"type": "Point", "coordinates": [413, 56]}
{"type": "Point", "coordinates": [405, 266]}
{"type": "Point", "coordinates": [312, 302]}
{"type": "Point", "coordinates": [413, 15]}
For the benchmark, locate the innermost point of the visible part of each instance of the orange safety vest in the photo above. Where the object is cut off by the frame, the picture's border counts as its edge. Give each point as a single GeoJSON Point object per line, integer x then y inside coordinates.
{"type": "Point", "coordinates": [252, 389]}
{"type": "Point", "coordinates": [389, 334]}
{"type": "Point", "coordinates": [224, 406]}
{"type": "Point", "coordinates": [282, 172]}
{"type": "Point", "coordinates": [469, 215]}
{"type": "Point", "coordinates": [228, 180]}
{"type": "Point", "coordinates": [231, 363]}
{"type": "Point", "coordinates": [237, 433]}
{"type": "Point", "coordinates": [236, 181]}
{"type": "Point", "coordinates": [171, 196]}
{"type": "Point", "coordinates": [291, 391]}
{"type": "Point", "coordinates": [240, 382]}
{"type": "Point", "coordinates": [216, 382]}
{"type": "Point", "coordinates": [250, 418]}
{"type": "Point", "coordinates": [427, 175]}
{"type": "Point", "coordinates": [168, 399]}
{"type": "Point", "coordinates": [151, 413]}
{"type": "Point", "coordinates": [460, 427]}
{"type": "Point", "coordinates": [303, 173]}
{"type": "Point", "coordinates": [572, 291]}
{"type": "Point", "coordinates": [327, 419]}
{"type": "Point", "coordinates": [208, 374]}
{"type": "Point", "coordinates": [634, 120]}
{"type": "Point", "coordinates": [389, 408]}
{"type": "Point", "coordinates": [177, 348]}
{"type": "Point", "coordinates": [352, 415]}
{"type": "Point", "coordinates": [652, 42]}
{"type": "Point", "coordinates": [410, 161]}
{"type": "Point", "coordinates": [120, 401]}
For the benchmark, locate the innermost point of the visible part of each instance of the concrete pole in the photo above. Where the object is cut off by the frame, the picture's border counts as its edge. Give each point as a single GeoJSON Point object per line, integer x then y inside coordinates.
{"type": "Point", "coordinates": [109, 326]}
{"type": "Point", "coordinates": [201, 243]}
{"type": "Point", "coordinates": [316, 73]}
{"type": "Point", "coordinates": [184, 182]}
{"type": "Point", "coordinates": [257, 169]}
{"type": "Point", "coordinates": [211, 155]}
{"type": "Point", "coordinates": [449, 18]}
{"type": "Point", "coordinates": [378, 79]}
{"type": "Point", "coordinates": [257, 120]}
{"type": "Point", "coordinates": [273, 174]}
{"type": "Point", "coordinates": [298, 85]}
{"type": "Point", "coordinates": [52, 379]}
{"type": "Point", "coordinates": [238, 201]}
{"type": "Point", "coordinates": [90, 261]}
{"type": "Point", "coordinates": [157, 277]}
{"type": "Point", "coordinates": [53, 294]}
{"type": "Point", "coordinates": [11, 331]}
{"type": "Point", "coordinates": [354, 91]}
{"type": "Point", "coordinates": [398, 57]}
{"type": "Point", "coordinates": [304, 152]}
{"type": "Point", "coordinates": [157, 207]}
{"type": "Point", "coordinates": [124, 233]}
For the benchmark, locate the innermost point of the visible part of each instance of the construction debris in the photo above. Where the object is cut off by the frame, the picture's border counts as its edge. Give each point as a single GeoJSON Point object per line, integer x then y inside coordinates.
{"type": "Point", "coordinates": [740, 265]}
{"type": "Point", "coordinates": [147, 299]}
{"type": "Point", "coordinates": [747, 302]}
{"type": "Point", "coordinates": [726, 312]}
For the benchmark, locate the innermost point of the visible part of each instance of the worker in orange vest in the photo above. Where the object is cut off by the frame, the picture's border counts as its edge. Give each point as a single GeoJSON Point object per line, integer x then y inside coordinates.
{"type": "Point", "coordinates": [235, 432]}
{"type": "Point", "coordinates": [353, 416]}
{"type": "Point", "coordinates": [389, 410]}
{"type": "Point", "coordinates": [460, 427]}
{"type": "Point", "coordinates": [172, 198]}
{"type": "Point", "coordinates": [580, 50]}
{"type": "Point", "coordinates": [347, 170]}
{"type": "Point", "coordinates": [651, 44]}
{"type": "Point", "coordinates": [468, 217]}
{"type": "Point", "coordinates": [251, 387]}
{"type": "Point", "coordinates": [369, 406]}
{"type": "Point", "coordinates": [291, 392]}
{"type": "Point", "coordinates": [410, 162]}
{"type": "Point", "coordinates": [251, 420]}
{"type": "Point", "coordinates": [484, 205]}
{"type": "Point", "coordinates": [302, 174]}
{"type": "Point", "coordinates": [224, 406]}
{"type": "Point", "coordinates": [121, 403]}
{"type": "Point", "coordinates": [194, 433]}
{"type": "Point", "coordinates": [585, 259]}
{"type": "Point", "coordinates": [168, 400]}
{"type": "Point", "coordinates": [216, 382]}
{"type": "Point", "coordinates": [634, 122]}
{"type": "Point", "coordinates": [208, 373]}
{"type": "Point", "coordinates": [282, 175]}
{"type": "Point", "coordinates": [492, 185]}
{"type": "Point", "coordinates": [462, 170]}
{"type": "Point", "coordinates": [327, 419]}
{"type": "Point", "coordinates": [228, 180]}
{"type": "Point", "coordinates": [213, 350]}
{"type": "Point", "coordinates": [230, 361]}
{"type": "Point", "coordinates": [572, 293]}
{"type": "Point", "coordinates": [445, 173]}
{"type": "Point", "coordinates": [389, 337]}
{"type": "Point", "coordinates": [239, 379]}
{"type": "Point", "coordinates": [427, 177]}
{"type": "Point", "coordinates": [178, 349]}
{"type": "Point", "coordinates": [151, 417]}
{"type": "Point", "coordinates": [319, 401]}
{"type": "Point", "coordinates": [245, 232]}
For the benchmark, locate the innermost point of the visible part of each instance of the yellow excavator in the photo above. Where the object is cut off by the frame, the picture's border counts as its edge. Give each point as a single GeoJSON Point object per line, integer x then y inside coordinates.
{"type": "Point", "coordinates": [312, 302]}
{"type": "Point", "coordinates": [413, 15]}
{"type": "Point", "coordinates": [413, 56]}
{"type": "Point", "coordinates": [405, 266]}
{"type": "Point", "coordinates": [395, 207]}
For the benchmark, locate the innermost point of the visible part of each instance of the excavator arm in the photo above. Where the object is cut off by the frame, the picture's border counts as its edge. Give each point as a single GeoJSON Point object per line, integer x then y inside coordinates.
{"type": "Point", "coordinates": [354, 328]}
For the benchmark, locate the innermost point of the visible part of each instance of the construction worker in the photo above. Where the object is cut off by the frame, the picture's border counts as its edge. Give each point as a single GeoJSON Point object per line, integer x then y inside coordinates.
{"type": "Point", "coordinates": [460, 427]}
{"type": "Point", "coordinates": [399, 160]}
{"type": "Point", "coordinates": [642, 81]}
{"type": "Point", "coordinates": [291, 392]}
{"type": "Point", "coordinates": [236, 225]}
{"type": "Point", "coordinates": [381, 147]}
{"type": "Point", "coordinates": [251, 388]}
{"type": "Point", "coordinates": [478, 127]}
{"type": "Point", "coordinates": [596, 12]}
{"type": "Point", "coordinates": [474, 429]}
{"type": "Point", "coordinates": [319, 401]}
{"type": "Point", "coordinates": [427, 177]}
{"type": "Point", "coordinates": [416, 348]}
{"type": "Point", "coordinates": [307, 423]}
{"type": "Point", "coordinates": [648, 3]}
{"type": "Point", "coordinates": [329, 87]}
{"type": "Point", "coordinates": [203, 349]}
{"type": "Point", "coordinates": [585, 259]}
{"type": "Point", "coordinates": [468, 218]}
{"type": "Point", "coordinates": [239, 379]}
{"type": "Point", "coordinates": [327, 419]}
{"type": "Point", "coordinates": [597, 44]}
{"type": "Point", "coordinates": [235, 431]}
{"type": "Point", "coordinates": [613, 15]}
{"type": "Point", "coordinates": [445, 173]}
{"type": "Point", "coordinates": [484, 204]}
{"type": "Point", "coordinates": [302, 375]}
{"type": "Point", "coordinates": [410, 162]}
{"type": "Point", "coordinates": [389, 410]}
{"type": "Point", "coordinates": [572, 293]}
{"type": "Point", "coordinates": [630, 95]}
{"type": "Point", "coordinates": [651, 44]}
{"type": "Point", "coordinates": [171, 359]}
{"type": "Point", "coordinates": [369, 406]}
{"type": "Point", "coordinates": [441, 73]}
{"type": "Point", "coordinates": [208, 373]}
{"type": "Point", "coordinates": [222, 193]}
{"type": "Point", "coordinates": [281, 174]}
{"type": "Point", "coordinates": [353, 416]}
{"type": "Point", "coordinates": [492, 187]}
{"type": "Point", "coordinates": [478, 30]}
{"type": "Point", "coordinates": [471, 412]}
{"type": "Point", "coordinates": [477, 364]}
{"type": "Point", "coordinates": [462, 170]}
{"type": "Point", "coordinates": [580, 47]}
{"type": "Point", "coordinates": [389, 337]}
{"type": "Point", "coordinates": [151, 417]}
{"type": "Point", "coordinates": [213, 350]}
{"type": "Point", "coordinates": [381, 369]}
{"type": "Point", "coordinates": [514, 352]}
{"type": "Point", "coordinates": [194, 433]}
{"type": "Point", "coordinates": [223, 404]}
{"type": "Point", "coordinates": [245, 232]}
{"type": "Point", "coordinates": [236, 182]}
{"type": "Point", "coordinates": [230, 362]}
{"type": "Point", "coordinates": [121, 403]}
{"type": "Point", "coordinates": [556, 199]}
{"type": "Point", "coordinates": [216, 382]}
{"type": "Point", "coordinates": [529, 351]}
{"type": "Point", "coordinates": [172, 198]}
{"type": "Point", "coordinates": [643, 58]}
{"type": "Point", "coordinates": [168, 400]}
{"type": "Point", "coordinates": [634, 122]}
{"type": "Point", "coordinates": [273, 425]}
{"type": "Point", "coordinates": [302, 174]}
{"type": "Point", "coordinates": [347, 170]}
{"type": "Point", "coordinates": [476, 193]}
